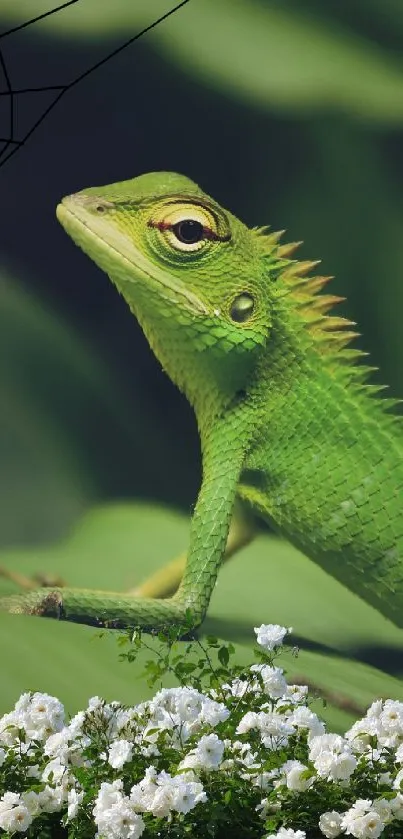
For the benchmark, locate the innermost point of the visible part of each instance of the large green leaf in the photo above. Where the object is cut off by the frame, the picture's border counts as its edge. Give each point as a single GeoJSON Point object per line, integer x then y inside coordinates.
{"type": "Point", "coordinates": [261, 53]}
{"type": "Point", "coordinates": [54, 386]}
{"type": "Point", "coordinates": [117, 545]}
{"type": "Point", "coordinates": [42, 483]}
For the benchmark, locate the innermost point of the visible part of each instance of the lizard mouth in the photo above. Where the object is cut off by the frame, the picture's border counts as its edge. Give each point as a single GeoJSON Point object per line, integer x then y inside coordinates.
{"type": "Point", "coordinates": [117, 255]}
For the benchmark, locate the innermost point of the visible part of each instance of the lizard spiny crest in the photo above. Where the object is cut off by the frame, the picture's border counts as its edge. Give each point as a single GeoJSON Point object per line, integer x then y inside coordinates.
{"type": "Point", "coordinates": [330, 333]}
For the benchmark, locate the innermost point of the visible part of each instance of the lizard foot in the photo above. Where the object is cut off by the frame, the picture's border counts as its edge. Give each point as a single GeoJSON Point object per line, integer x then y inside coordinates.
{"type": "Point", "coordinates": [38, 602]}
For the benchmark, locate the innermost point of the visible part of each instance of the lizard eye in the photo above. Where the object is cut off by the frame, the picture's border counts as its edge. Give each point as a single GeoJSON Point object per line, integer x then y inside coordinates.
{"type": "Point", "coordinates": [187, 227]}
{"type": "Point", "coordinates": [189, 231]}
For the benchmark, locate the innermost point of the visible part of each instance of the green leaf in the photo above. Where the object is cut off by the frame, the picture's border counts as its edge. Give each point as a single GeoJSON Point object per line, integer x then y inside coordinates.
{"type": "Point", "coordinates": [223, 656]}
{"type": "Point", "coordinates": [43, 486]}
{"type": "Point", "coordinates": [50, 378]}
{"type": "Point", "coordinates": [286, 59]}
{"type": "Point", "coordinates": [113, 547]}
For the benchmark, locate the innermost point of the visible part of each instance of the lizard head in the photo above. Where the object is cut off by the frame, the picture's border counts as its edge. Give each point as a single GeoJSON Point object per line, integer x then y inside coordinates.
{"type": "Point", "coordinates": [190, 271]}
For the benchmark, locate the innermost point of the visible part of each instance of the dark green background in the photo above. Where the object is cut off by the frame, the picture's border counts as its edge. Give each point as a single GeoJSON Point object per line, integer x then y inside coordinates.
{"type": "Point", "coordinates": [289, 114]}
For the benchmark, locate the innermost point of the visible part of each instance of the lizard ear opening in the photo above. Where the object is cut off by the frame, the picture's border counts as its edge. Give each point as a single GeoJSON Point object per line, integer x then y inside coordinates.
{"type": "Point", "coordinates": [242, 307]}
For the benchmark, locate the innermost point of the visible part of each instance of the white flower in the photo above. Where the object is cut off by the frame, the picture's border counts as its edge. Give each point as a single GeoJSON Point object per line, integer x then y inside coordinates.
{"type": "Point", "coordinates": [76, 724]}
{"type": "Point", "coordinates": [2, 756]}
{"type": "Point", "coordinates": [121, 822]}
{"type": "Point", "coordinates": [17, 811]}
{"type": "Point", "coordinates": [265, 781]}
{"type": "Point", "coordinates": [244, 757]}
{"type": "Point", "coordinates": [239, 687]}
{"type": "Point", "coordinates": [187, 793]}
{"type": "Point", "coordinates": [8, 800]}
{"type": "Point", "coordinates": [183, 711]}
{"type": "Point", "coordinates": [159, 794]}
{"type": "Point", "coordinates": [142, 794]}
{"type": "Point", "coordinates": [330, 824]}
{"type": "Point", "coordinates": [114, 814]}
{"type": "Point", "coordinates": [250, 760]}
{"type": "Point", "coordinates": [368, 826]}
{"type": "Point", "coordinates": [292, 771]}
{"type": "Point", "coordinates": [383, 720]}
{"type": "Point", "coordinates": [397, 783]}
{"type": "Point", "coordinates": [274, 682]}
{"type": "Point", "coordinates": [119, 752]}
{"type": "Point", "coordinates": [263, 808]}
{"type": "Point", "coordinates": [335, 767]}
{"type": "Point", "coordinates": [362, 821]}
{"type": "Point", "coordinates": [208, 753]}
{"type": "Point", "coordinates": [9, 729]}
{"type": "Point", "coordinates": [74, 800]}
{"type": "Point", "coordinates": [95, 703]}
{"type": "Point", "coordinates": [374, 711]}
{"type": "Point", "coordinates": [361, 806]}
{"type": "Point", "coordinates": [57, 745]}
{"type": "Point", "coordinates": [213, 712]}
{"type": "Point", "coordinates": [52, 799]}
{"type": "Point", "coordinates": [274, 728]}
{"type": "Point", "coordinates": [189, 705]}
{"type": "Point", "coordinates": [108, 795]}
{"type": "Point", "coordinates": [54, 770]}
{"type": "Point", "coordinates": [271, 635]}
{"type": "Point", "coordinates": [296, 693]}
{"type": "Point", "coordinates": [303, 717]}
{"type": "Point", "coordinates": [396, 806]}
{"type": "Point", "coordinates": [326, 742]}
{"type": "Point", "coordinates": [16, 819]}
{"type": "Point", "coordinates": [369, 756]}
{"type": "Point", "coordinates": [39, 714]}
{"type": "Point", "coordinates": [31, 801]}
{"type": "Point", "coordinates": [332, 757]}
{"type": "Point", "coordinates": [391, 718]}
{"type": "Point", "coordinates": [383, 807]}
{"type": "Point", "coordinates": [34, 771]}
{"type": "Point", "coordinates": [361, 733]}
{"type": "Point", "coordinates": [162, 802]}
{"type": "Point", "coordinates": [249, 720]}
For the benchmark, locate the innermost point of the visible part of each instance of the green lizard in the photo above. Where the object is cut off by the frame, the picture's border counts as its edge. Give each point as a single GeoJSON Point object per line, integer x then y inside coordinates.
{"type": "Point", "coordinates": [289, 429]}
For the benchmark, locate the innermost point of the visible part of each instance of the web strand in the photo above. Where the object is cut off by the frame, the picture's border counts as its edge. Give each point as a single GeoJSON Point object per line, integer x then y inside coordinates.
{"type": "Point", "coordinates": [13, 144]}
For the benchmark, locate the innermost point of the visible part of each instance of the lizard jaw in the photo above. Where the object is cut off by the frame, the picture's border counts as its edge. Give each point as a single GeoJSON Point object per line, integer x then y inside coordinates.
{"type": "Point", "coordinates": [105, 244]}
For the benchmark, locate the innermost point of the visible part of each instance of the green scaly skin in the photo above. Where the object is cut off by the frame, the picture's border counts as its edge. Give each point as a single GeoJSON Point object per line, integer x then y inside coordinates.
{"type": "Point", "coordinates": [286, 421]}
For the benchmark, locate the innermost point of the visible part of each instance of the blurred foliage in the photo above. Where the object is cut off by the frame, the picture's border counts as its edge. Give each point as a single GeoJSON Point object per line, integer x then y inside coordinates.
{"type": "Point", "coordinates": [337, 632]}
{"type": "Point", "coordinates": [286, 113]}
{"type": "Point", "coordinates": [286, 58]}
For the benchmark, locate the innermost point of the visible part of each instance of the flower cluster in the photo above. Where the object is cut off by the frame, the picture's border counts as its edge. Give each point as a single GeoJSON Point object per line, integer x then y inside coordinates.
{"type": "Point", "coordinates": [245, 755]}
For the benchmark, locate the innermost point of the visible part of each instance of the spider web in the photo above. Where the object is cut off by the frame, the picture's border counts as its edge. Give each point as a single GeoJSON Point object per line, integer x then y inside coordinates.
{"type": "Point", "coordinates": [10, 143]}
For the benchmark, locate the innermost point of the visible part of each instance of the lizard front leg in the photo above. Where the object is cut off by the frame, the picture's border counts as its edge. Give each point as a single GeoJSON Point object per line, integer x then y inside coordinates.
{"type": "Point", "coordinates": [166, 580]}
{"type": "Point", "coordinates": [222, 462]}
